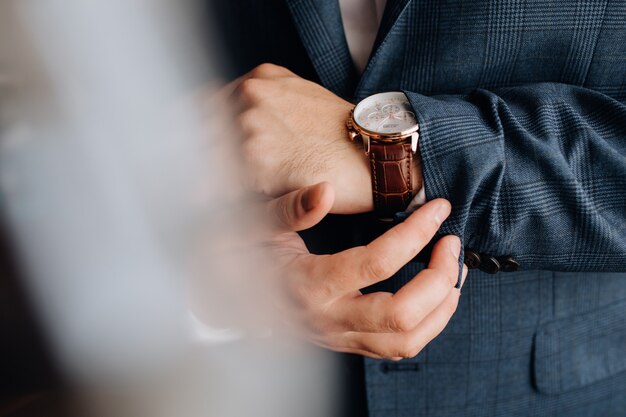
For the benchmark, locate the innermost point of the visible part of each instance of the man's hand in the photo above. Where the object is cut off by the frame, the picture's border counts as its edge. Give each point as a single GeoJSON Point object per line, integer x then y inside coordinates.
{"type": "Point", "coordinates": [324, 290]}
{"type": "Point", "coordinates": [295, 135]}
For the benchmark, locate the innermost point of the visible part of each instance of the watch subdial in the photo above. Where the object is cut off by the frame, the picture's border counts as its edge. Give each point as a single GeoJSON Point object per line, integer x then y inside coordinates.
{"type": "Point", "coordinates": [391, 109]}
{"type": "Point", "coordinates": [372, 119]}
{"type": "Point", "coordinates": [406, 116]}
{"type": "Point", "coordinates": [375, 116]}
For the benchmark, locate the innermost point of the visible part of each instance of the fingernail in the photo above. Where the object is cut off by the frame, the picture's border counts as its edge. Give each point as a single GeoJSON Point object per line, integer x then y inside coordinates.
{"type": "Point", "coordinates": [311, 198]}
{"type": "Point", "coordinates": [455, 247]}
{"type": "Point", "coordinates": [441, 211]}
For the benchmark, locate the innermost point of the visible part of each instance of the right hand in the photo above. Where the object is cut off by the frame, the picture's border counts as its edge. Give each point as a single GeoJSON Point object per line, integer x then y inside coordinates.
{"type": "Point", "coordinates": [285, 145]}
{"type": "Point", "coordinates": [324, 289]}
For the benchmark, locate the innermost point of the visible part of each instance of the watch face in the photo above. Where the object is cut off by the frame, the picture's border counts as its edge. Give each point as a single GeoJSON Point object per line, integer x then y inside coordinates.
{"type": "Point", "coordinates": [385, 113]}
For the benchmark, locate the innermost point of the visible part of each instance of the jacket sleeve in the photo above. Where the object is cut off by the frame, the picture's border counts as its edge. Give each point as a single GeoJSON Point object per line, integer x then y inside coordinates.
{"type": "Point", "coordinates": [536, 172]}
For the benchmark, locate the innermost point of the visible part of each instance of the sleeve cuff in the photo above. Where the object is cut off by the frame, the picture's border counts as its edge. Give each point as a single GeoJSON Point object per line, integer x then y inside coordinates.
{"type": "Point", "coordinates": [462, 155]}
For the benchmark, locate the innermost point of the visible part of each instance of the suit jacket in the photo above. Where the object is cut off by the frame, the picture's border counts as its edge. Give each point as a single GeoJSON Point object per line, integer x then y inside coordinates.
{"type": "Point", "coordinates": [522, 113]}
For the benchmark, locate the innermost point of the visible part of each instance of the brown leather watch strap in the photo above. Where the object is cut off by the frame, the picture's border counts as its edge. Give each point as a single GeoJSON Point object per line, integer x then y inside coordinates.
{"type": "Point", "coordinates": [391, 177]}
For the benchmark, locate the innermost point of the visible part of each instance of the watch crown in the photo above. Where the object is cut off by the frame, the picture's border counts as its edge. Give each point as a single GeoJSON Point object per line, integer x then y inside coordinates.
{"type": "Point", "coordinates": [352, 133]}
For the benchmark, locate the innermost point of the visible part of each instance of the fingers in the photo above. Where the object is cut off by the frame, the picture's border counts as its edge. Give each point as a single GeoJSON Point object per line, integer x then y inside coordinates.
{"type": "Point", "coordinates": [379, 325]}
{"type": "Point", "coordinates": [271, 221]}
{"type": "Point", "coordinates": [409, 344]}
{"type": "Point", "coordinates": [445, 258]}
{"type": "Point", "coordinates": [360, 267]}
{"type": "Point", "coordinates": [300, 209]}
{"type": "Point", "coordinates": [402, 312]}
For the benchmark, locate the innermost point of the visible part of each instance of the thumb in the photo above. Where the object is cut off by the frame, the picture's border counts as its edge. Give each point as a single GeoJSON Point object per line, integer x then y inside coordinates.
{"type": "Point", "coordinates": [301, 209]}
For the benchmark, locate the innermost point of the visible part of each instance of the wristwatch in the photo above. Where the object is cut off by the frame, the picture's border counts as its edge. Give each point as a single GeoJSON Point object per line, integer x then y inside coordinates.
{"type": "Point", "coordinates": [386, 125]}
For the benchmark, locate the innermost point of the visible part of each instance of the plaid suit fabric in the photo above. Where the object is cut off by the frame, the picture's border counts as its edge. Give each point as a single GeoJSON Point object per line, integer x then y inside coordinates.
{"type": "Point", "coordinates": [542, 168]}
{"type": "Point", "coordinates": [320, 26]}
{"type": "Point", "coordinates": [496, 142]}
{"type": "Point", "coordinates": [521, 105]}
{"type": "Point", "coordinates": [525, 344]}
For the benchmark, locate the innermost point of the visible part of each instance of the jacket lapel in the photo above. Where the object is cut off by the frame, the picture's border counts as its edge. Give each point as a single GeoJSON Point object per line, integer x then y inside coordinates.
{"type": "Point", "coordinates": [394, 10]}
{"type": "Point", "coordinates": [321, 30]}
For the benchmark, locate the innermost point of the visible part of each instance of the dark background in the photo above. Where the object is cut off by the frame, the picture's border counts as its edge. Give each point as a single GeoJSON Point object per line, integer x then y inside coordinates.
{"type": "Point", "coordinates": [29, 382]}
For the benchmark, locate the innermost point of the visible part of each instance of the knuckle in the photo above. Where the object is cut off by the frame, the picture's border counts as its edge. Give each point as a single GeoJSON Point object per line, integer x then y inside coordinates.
{"type": "Point", "coordinates": [408, 349]}
{"type": "Point", "coordinates": [402, 319]}
{"type": "Point", "coordinates": [265, 69]}
{"type": "Point", "coordinates": [424, 233]}
{"type": "Point", "coordinates": [378, 267]}
{"type": "Point", "coordinates": [251, 87]}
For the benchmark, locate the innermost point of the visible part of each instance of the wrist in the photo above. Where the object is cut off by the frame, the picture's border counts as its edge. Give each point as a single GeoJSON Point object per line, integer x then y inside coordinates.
{"type": "Point", "coordinates": [387, 128]}
{"type": "Point", "coordinates": [354, 179]}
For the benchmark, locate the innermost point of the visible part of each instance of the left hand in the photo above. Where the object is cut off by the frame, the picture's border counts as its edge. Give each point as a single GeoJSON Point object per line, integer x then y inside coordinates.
{"type": "Point", "coordinates": [294, 135]}
{"type": "Point", "coordinates": [322, 292]}
{"type": "Point", "coordinates": [263, 267]}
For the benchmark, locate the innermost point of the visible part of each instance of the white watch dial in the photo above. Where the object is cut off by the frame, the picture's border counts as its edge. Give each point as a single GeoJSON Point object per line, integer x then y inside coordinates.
{"type": "Point", "coordinates": [385, 113]}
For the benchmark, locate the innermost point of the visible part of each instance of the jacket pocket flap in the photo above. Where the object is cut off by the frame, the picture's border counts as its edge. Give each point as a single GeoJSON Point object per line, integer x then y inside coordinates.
{"type": "Point", "coordinates": [580, 350]}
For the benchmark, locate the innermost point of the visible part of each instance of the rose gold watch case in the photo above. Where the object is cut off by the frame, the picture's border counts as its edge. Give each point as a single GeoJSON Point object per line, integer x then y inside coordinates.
{"type": "Point", "coordinates": [368, 136]}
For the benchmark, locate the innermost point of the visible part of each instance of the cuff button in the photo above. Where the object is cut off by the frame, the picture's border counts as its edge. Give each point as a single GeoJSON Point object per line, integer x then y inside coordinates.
{"type": "Point", "coordinates": [472, 259]}
{"type": "Point", "coordinates": [489, 264]}
{"type": "Point", "coordinates": [508, 264]}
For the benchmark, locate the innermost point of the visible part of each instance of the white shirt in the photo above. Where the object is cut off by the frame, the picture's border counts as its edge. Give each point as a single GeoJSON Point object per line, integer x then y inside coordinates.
{"type": "Point", "coordinates": [361, 19]}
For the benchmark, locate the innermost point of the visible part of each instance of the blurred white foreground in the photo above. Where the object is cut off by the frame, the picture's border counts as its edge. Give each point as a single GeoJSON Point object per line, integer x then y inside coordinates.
{"type": "Point", "coordinates": [118, 199]}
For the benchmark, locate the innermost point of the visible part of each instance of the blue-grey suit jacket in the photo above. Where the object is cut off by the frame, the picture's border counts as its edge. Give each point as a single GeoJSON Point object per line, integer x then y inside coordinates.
{"type": "Point", "coordinates": [522, 113]}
